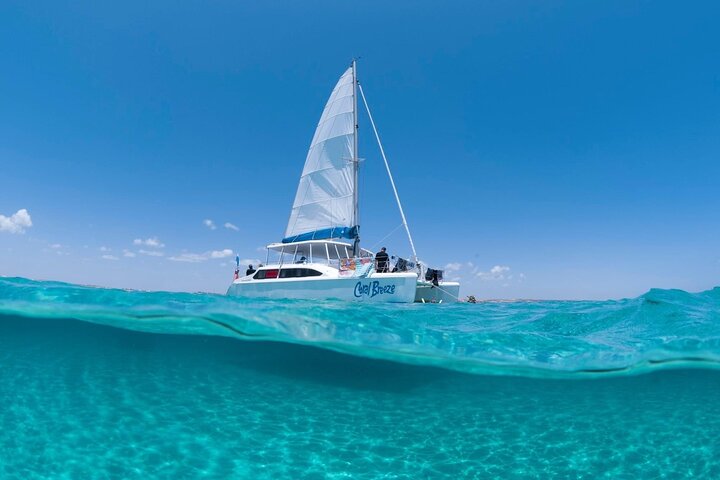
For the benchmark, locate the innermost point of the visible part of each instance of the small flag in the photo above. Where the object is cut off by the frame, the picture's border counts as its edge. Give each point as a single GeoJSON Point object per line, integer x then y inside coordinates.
{"type": "Point", "coordinates": [237, 261]}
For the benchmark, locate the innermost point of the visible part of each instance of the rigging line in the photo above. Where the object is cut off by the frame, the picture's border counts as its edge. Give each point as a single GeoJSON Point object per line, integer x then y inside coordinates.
{"type": "Point", "coordinates": [385, 237]}
{"type": "Point", "coordinates": [445, 291]}
{"type": "Point", "coordinates": [387, 167]}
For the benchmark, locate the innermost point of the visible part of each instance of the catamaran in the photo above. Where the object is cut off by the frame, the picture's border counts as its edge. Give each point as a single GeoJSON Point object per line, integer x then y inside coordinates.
{"type": "Point", "coordinates": [320, 256]}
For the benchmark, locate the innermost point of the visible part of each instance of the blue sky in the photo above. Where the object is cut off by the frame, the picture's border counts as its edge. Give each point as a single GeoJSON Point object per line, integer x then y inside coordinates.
{"type": "Point", "coordinates": [541, 149]}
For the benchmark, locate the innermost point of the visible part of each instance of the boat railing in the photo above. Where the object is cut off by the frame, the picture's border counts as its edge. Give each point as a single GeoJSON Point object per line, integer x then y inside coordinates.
{"type": "Point", "coordinates": [346, 264]}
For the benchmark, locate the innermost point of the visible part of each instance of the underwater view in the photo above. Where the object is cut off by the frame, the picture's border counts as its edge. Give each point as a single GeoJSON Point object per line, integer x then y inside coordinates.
{"type": "Point", "coordinates": [261, 240]}
{"type": "Point", "coordinates": [101, 383]}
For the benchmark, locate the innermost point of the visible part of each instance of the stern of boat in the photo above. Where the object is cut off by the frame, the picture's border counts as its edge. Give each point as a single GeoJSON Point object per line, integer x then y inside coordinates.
{"type": "Point", "coordinates": [444, 292]}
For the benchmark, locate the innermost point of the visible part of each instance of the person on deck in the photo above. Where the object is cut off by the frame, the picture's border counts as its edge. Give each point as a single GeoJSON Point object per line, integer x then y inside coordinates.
{"type": "Point", "coordinates": [382, 261]}
{"type": "Point", "coordinates": [250, 270]}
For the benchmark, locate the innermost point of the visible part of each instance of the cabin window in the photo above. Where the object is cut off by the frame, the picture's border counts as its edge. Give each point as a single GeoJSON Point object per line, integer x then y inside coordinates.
{"type": "Point", "coordinates": [262, 274]}
{"type": "Point", "coordinates": [299, 272]}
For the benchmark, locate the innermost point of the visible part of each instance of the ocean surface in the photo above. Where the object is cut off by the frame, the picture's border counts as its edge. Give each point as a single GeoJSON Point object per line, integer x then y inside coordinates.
{"type": "Point", "coordinates": [104, 384]}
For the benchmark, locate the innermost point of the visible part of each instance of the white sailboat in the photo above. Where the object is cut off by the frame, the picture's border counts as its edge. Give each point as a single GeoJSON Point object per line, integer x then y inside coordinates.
{"type": "Point", "coordinates": [320, 256]}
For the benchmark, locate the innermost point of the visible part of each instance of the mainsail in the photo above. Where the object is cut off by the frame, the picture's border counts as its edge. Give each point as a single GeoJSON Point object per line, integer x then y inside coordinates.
{"type": "Point", "coordinates": [324, 204]}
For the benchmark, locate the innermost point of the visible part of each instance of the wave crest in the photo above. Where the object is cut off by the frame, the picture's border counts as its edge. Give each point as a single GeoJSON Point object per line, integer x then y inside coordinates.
{"type": "Point", "coordinates": [660, 329]}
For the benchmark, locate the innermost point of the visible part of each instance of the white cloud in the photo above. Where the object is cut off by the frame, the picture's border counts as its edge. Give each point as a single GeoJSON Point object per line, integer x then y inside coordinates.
{"type": "Point", "coordinates": [230, 226]}
{"type": "Point", "coordinates": [105, 249]}
{"type": "Point", "coordinates": [188, 257]}
{"type": "Point", "coordinates": [453, 267]}
{"type": "Point", "coordinates": [250, 261]}
{"type": "Point", "coordinates": [458, 269]}
{"type": "Point", "coordinates": [201, 257]}
{"type": "Point", "coordinates": [153, 242]}
{"type": "Point", "coordinates": [498, 272]}
{"type": "Point", "coordinates": [128, 254]}
{"type": "Point", "coordinates": [209, 223]}
{"type": "Point", "coordinates": [109, 257]}
{"type": "Point", "coordinates": [221, 253]}
{"type": "Point", "coordinates": [56, 246]}
{"type": "Point", "coordinates": [16, 223]}
{"type": "Point", "coordinates": [151, 253]}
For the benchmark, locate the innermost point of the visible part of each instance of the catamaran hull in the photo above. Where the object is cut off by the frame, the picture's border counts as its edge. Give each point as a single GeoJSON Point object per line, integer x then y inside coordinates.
{"type": "Point", "coordinates": [446, 292]}
{"type": "Point", "coordinates": [383, 288]}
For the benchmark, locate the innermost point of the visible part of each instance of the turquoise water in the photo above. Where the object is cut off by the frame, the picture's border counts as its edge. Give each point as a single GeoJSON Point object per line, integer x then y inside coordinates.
{"type": "Point", "coordinates": [99, 383]}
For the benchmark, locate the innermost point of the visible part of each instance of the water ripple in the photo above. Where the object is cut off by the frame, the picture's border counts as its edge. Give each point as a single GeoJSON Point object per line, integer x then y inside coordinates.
{"type": "Point", "coordinates": [660, 329]}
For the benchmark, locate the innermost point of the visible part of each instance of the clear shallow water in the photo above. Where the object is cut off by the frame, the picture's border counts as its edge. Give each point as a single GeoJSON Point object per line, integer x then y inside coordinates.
{"type": "Point", "coordinates": [82, 398]}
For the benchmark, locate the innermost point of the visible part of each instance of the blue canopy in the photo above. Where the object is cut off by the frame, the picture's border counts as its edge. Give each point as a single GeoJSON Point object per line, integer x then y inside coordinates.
{"type": "Point", "coordinates": [334, 232]}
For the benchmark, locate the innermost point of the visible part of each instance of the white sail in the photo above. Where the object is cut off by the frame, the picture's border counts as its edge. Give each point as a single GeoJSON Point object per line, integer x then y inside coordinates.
{"type": "Point", "coordinates": [324, 202]}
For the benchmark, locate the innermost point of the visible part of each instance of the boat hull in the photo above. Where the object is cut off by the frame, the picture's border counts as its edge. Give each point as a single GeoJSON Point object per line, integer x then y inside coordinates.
{"type": "Point", "coordinates": [446, 292]}
{"type": "Point", "coordinates": [383, 288]}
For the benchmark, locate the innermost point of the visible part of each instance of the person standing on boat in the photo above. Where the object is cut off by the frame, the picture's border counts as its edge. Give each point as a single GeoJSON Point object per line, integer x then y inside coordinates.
{"type": "Point", "coordinates": [250, 270]}
{"type": "Point", "coordinates": [382, 261]}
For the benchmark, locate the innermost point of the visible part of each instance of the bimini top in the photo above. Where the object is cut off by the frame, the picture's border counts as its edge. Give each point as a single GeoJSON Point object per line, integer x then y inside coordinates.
{"type": "Point", "coordinates": [330, 249]}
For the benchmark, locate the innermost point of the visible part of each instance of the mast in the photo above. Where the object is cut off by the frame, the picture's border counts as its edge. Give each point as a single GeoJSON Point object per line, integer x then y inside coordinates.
{"type": "Point", "coordinates": [356, 163]}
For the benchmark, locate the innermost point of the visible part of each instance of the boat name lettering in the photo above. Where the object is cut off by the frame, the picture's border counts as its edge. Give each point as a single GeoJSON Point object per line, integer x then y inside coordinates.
{"type": "Point", "coordinates": [371, 289]}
